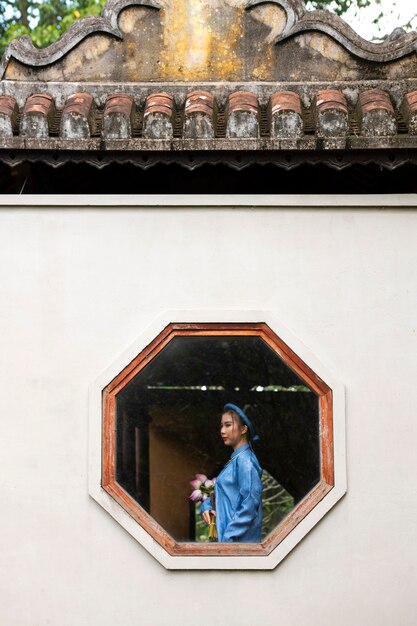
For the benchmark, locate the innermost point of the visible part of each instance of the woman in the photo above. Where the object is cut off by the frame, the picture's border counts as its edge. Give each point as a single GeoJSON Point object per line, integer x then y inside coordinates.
{"type": "Point", "coordinates": [238, 488]}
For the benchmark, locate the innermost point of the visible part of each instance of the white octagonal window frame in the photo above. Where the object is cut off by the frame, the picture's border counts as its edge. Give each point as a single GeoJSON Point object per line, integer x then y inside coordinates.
{"type": "Point", "coordinates": [210, 561]}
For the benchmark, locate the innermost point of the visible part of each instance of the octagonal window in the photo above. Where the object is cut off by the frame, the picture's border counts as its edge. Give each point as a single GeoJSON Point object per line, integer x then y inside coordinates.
{"type": "Point", "coordinates": [162, 426]}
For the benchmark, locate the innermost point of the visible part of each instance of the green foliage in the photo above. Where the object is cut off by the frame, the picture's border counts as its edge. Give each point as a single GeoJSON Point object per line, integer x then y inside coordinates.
{"type": "Point", "coordinates": [201, 528]}
{"type": "Point", "coordinates": [276, 503]}
{"type": "Point", "coordinates": [43, 21]}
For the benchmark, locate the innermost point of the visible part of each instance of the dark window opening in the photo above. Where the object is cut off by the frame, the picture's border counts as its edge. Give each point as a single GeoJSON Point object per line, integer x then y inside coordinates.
{"type": "Point", "coordinates": [167, 427]}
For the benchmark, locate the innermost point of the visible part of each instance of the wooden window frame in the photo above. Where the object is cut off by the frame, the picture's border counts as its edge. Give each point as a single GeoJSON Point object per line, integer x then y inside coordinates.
{"type": "Point", "coordinates": [301, 510]}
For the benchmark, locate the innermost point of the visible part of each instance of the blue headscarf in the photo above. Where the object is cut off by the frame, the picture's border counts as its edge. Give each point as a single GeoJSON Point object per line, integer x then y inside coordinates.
{"type": "Point", "coordinates": [245, 419]}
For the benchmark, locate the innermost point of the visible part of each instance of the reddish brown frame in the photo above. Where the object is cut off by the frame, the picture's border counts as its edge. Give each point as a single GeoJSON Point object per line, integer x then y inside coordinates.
{"type": "Point", "coordinates": [311, 379]}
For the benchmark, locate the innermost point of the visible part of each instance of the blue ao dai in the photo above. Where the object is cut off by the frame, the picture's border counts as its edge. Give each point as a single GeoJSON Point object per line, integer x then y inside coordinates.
{"type": "Point", "coordinates": [238, 499]}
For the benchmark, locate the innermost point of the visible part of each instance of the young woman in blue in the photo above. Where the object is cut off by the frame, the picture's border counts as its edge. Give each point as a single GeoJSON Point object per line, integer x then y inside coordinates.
{"type": "Point", "coordinates": [238, 488]}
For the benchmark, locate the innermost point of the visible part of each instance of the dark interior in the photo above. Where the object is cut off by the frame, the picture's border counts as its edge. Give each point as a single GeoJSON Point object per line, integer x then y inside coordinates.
{"type": "Point", "coordinates": [177, 399]}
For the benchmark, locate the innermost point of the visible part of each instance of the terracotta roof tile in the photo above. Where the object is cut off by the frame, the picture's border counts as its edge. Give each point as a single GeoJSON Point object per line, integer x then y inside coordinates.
{"type": "Point", "coordinates": [409, 111]}
{"type": "Point", "coordinates": [331, 99]}
{"type": "Point", "coordinates": [9, 112]}
{"type": "Point", "coordinates": [242, 115]}
{"type": "Point", "coordinates": [331, 112]}
{"type": "Point", "coordinates": [37, 117]}
{"type": "Point", "coordinates": [200, 115]}
{"type": "Point", "coordinates": [78, 116]}
{"type": "Point", "coordinates": [210, 120]}
{"type": "Point", "coordinates": [118, 117]}
{"type": "Point", "coordinates": [285, 101]}
{"type": "Point", "coordinates": [158, 117]}
{"type": "Point", "coordinates": [285, 115]}
{"type": "Point", "coordinates": [376, 114]}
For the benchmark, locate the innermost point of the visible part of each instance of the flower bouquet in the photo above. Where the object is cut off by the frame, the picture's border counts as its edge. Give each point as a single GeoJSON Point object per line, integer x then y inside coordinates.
{"type": "Point", "coordinates": [203, 488]}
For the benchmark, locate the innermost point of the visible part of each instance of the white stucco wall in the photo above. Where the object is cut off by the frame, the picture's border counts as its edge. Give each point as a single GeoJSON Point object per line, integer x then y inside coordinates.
{"type": "Point", "coordinates": [77, 286]}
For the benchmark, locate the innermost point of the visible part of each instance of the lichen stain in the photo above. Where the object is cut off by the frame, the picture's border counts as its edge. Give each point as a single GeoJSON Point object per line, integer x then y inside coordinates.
{"type": "Point", "coordinates": [326, 47]}
{"type": "Point", "coordinates": [200, 40]}
{"type": "Point", "coordinates": [16, 71]}
{"type": "Point", "coordinates": [128, 19]}
{"type": "Point", "coordinates": [136, 61]}
{"type": "Point", "coordinates": [88, 56]}
{"type": "Point", "coordinates": [326, 59]}
{"type": "Point", "coordinates": [400, 69]}
{"type": "Point", "coordinates": [262, 56]}
{"type": "Point", "coordinates": [272, 16]}
{"type": "Point", "coordinates": [99, 47]}
{"type": "Point", "coordinates": [262, 71]}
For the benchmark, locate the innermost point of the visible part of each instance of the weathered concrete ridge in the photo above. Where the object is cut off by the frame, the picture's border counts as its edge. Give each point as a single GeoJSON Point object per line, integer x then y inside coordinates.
{"type": "Point", "coordinates": [211, 40]}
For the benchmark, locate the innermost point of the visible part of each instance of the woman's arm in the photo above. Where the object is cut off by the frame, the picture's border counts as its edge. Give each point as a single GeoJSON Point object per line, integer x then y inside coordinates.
{"type": "Point", "coordinates": [250, 492]}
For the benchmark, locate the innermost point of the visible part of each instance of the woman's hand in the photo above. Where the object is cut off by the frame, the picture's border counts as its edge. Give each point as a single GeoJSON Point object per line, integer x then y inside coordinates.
{"type": "Point", "coordinates": [206, 516]}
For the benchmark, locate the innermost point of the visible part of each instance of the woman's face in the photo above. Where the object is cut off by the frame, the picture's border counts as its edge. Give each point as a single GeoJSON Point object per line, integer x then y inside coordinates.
{"type": "Point", "coordinates": [231, 432]}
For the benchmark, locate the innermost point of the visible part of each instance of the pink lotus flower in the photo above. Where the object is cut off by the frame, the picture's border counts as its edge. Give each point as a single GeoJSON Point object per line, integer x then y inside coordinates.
{"type": "Point", "coordinates": [203, 488]}
{"type": "Point", "coordinates": [196, 495]}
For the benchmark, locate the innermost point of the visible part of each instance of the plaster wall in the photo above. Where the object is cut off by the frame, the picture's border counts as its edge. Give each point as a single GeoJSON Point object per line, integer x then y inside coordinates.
{"type": "Point", "coordinates": [77, 286]}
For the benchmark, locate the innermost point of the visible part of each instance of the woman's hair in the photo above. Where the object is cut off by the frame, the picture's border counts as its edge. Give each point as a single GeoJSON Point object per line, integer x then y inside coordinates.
{"type": "Point", "coordinates": [239, 421]}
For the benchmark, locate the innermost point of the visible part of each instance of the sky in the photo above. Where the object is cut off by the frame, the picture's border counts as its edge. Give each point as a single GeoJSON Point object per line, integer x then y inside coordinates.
{"type": "Point", "coordinates": [395, 13]}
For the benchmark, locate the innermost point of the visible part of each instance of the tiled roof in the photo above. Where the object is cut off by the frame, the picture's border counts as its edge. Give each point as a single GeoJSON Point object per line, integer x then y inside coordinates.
{"type": "Point", "coordinates": [240, 120]}
{"type": "Point", "coordinates": [345, 95]}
